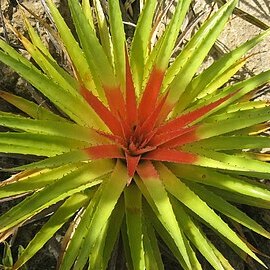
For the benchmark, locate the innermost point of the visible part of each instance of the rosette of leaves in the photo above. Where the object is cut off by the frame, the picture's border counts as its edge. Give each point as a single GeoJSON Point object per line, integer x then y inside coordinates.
{"type": "Point", "coordinates": [142, 149]}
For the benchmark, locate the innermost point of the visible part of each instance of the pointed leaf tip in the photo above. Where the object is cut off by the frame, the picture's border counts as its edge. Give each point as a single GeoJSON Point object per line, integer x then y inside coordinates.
{"type": "Point", "coordinates": [132, 163]}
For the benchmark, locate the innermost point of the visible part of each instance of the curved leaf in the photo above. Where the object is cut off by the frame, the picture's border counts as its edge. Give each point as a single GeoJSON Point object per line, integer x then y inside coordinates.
{"type": "Point", "coordinates": [36, 144]}
{"type": "Point", "coordinates": [191, 57]}
{"type": "Point", "coordinates": [118, 41]}
{"type": "Point", "coordinates": [32, 109]}
{"type": "Point", "coordinates": [200, 208]}
{"type": "Point", "coordinates": [58, 219]}
{"type": "Point", "coordinates": [134, 221]}
{"type": "Point", "coordinates": [29, 181]}
{"type": "Point", "coordinates": [65, 102]}
{"type": "Point", "coordinates": [84, 177]}
{"type": "Point", "coordinates": [75, 52]}
{"type": "Point", "coordinates": [139, 46]}
{"type": "Point", "coordinates": [225, 182]}
{"type": "Point", "coordinates": [155, 193]}
{"type": "Point", "coordinates": [195, 235]}
{"type": "Point", "coordinates": [50, 127]}
{"type": "Point", "coordinates": [110, 193]}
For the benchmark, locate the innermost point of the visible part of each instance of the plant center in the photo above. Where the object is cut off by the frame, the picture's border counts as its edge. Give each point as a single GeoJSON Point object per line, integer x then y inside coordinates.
{"type": "Point", "coordinates": [137, 143]}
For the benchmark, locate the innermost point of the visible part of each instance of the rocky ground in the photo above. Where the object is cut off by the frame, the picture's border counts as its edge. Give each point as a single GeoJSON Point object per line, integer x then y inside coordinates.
{"type": "Point", "coordinates": [237, 31]}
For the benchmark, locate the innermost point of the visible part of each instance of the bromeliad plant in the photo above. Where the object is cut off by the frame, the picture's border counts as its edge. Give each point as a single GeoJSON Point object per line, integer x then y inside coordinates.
{"type": "Point", "coordinates": [143, 149]}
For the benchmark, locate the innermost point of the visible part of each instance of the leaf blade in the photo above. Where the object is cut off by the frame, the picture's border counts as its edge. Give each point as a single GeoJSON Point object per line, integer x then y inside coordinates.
{"type": "Point", "coordinates": [63, 213]}
{"type": "Point", "coordinates": [133, 205]}
{"type": "Point", "coordinates": [55, 192]}
{"type": "Point", "coordinates": [151, 185]}
{"type": "Point", "coordinates": [194, 203]}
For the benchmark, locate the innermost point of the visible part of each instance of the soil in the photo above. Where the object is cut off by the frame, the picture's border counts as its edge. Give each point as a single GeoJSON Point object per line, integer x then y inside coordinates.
{"type": "Point", "coordinates": [237, 31]}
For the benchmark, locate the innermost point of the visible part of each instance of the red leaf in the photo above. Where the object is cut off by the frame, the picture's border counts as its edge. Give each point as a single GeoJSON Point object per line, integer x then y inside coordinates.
{"type": "Point", "coordinates": [188, 137]}
{"type": "Point", "coordinates": [170, 155]}
{"type": "Point", "coordinates": [115, 100]}
{"type": "Point", "coordinates": [188, 118]}
{"type": "Point", "coordinates": [131, 104]}
{"type": "Point", "coordinates": [172, 136]}
{"type": "Point", "coordinates": [126, 130]}
{"type": "Point", "coordinates": [151, 121]}
{"type": "Point", "coordinates": [132, 163]}
{"type": "Point", "coordinates": [104, 151]}
{"type": "Point", "coordinates": [102, 111]}
{"type": "Point", "coordinates": [150, 95]}
{"type": "Point", "coordinates": [166, 109]}
{"type": "Point", "coordinates": [114, 138]}
{"type": "Point", "coordinates": [147, 170]}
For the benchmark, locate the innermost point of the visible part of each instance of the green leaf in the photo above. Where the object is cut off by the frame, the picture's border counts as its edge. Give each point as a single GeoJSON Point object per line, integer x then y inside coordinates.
{"type": "Point", "coordinates": [219, 81]}
{"type": "Point", "coordinates": [240, 114]}
{"type": "Point", "coordinates": [70, 157]}
{"type": "Point", "coordinates": [221, 258]}
{"type": "Point", "coordinates": [211, 75]}
{"type": "Point", "coordinates": [40, 47]}
{"type": "Point", "coordinates": [36, 40]}
{"type": "Point", "coordinates": [234, 185]}
{"type": "Point", "coordinates": [36, 144]}
{"type": "Point", "coordinates": [226, 123]}
{"type": "Point", "coordinates": [7, 259]}
{"type": "Point", "coordinates": [88, 12]}
{"type": "Point", "coordinates": [100, 66]}
{"type": "Point", "coordinates": [114, 227]}
{"type": "Point", "coordinates": [195, 235]}
{"type": "Point", "coordinates": [233, 142]}
{"type": "Point", "coordinates": [101, 251]}
{"type": "Point", "coordinates": [62, 130]}
{"type": "Point", "coordinates": [51, 68]}
{"type": "Point", "coordinates": [75, 52]}
{"type": "Point", "coordinates": [20, 250]}
{"type": "Point", "coordinates": [186, 196]}
{"type": "Point", "coordinates": [111, 191]}
{"type": "Point", "coordinates": [211, 87]}
{"type": "Point", "coordinates": [240, 199]}
{"type": "Point", "coordinates": [32, 109]}
{"type": "Point", "coordinates": [84, 177]}
{"type": "Point", "coordinates": [80, 229]}
{"type": "Point", "coordinates": [118, 41]}
{"type": "Point", "coordinates": [156, 195]}
{"type": "Point", "coordinates": [171, 34]}
{"type": "Point", "coordinates": [245, 87]}
{"type": "Point", "coordinates": [126, 247]}
{"type": "Point", "coordinates": [169, 240]}
{"type": "Point", "coordinates": [153, 260]}
{"type": "Point", "coordinates": [210, 158]}
{"type": "Point", "coordinates": [85, 115]}
{"type": "Point", "coordinates": [139, 47]}
{"type": "Point", "coordinates": [95, 259]}
{"type": "Point", "coordinates": [195, 264]}
{"type": "Point", "coordinates": [189, 60]}
{"type": "Point", "coordinates": [246, 105]}
{"type": "Point", "coordinates": [58, 219]}
{"type": "Point", "coordinates": [14, 54]}
{"type": "Point", "coordinates": [216, 202]}
{"type": "Point", "coordinates": [28, 181]}
{"type": "Point", "coordinates": [134, 221]}
{"type": "Point", "coordinates": [161, 53]}
{"type": "Point", "coordinates": [104, 33]}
